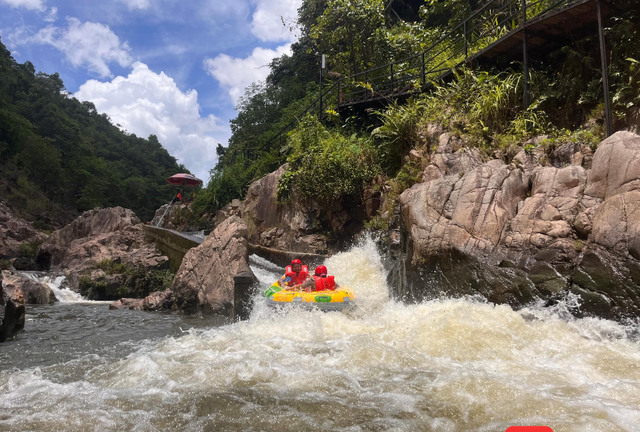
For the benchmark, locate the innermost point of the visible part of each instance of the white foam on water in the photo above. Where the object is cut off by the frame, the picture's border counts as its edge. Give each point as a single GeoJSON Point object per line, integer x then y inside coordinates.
{"type": "Point", "coordinates": [59, 285]}
{"type": "Point", "coordinates": [61, 290]}
{"type": "Point", "coordinates": [443, 365]}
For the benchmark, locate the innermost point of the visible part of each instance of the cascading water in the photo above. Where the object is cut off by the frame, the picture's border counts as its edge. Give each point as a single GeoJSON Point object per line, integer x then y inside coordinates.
{"type": "Point", "coordinates": [58, 284]}
{"type": "Point", "coordinates": [448, 365]}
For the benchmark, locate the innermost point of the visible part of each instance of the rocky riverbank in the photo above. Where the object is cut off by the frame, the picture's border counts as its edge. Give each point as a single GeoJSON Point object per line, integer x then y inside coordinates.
{"type": "Point", "coordinates": [211, 276]}
{"type": "Point", "coordinates": [105, 256]}
{"type": "Point", "coordinates": [524, 230]}
{"type": "Point", "coordinates": [16, 291]}
{"type": "Point", "coordinates": [539, 224]}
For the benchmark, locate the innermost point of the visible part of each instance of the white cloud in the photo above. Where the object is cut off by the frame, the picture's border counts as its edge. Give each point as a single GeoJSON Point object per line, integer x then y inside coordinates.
{"type": "Point", "coordinates": [236, 74]}
{"type": "Point", "coordinates": [136, 4]}
{"type": "Point", "coordinates": [28, 4]}
{"type": "Point", "coordinates": [89, 45]}
{"type": "Point", "coordinates": [267, 23]}
{"type": "Point", "coordinates": [52, 16]}
{"type": "Point", "coordinates": [147, 103]}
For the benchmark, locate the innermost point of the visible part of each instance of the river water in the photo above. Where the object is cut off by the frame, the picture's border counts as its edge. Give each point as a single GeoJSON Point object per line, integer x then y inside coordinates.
{"type": "Point", "coordinates": [448, 365]}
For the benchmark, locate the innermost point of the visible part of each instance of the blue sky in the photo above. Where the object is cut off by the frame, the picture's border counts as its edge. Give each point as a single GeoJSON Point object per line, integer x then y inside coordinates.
{"type": "Point", "coordinates": [166, 67]}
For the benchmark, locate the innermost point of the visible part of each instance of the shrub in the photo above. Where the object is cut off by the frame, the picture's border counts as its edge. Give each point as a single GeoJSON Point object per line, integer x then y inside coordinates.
{"type": "Point", "coordinates": [399, 132]}
{"type": "Point", "coordinates": [326, 165]}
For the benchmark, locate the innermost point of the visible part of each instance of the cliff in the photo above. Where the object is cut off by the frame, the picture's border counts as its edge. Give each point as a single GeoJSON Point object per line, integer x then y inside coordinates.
{"type": "Point", "coordinates": [537, 225]}
{"type": "Point", "coordinates": [521, 231]}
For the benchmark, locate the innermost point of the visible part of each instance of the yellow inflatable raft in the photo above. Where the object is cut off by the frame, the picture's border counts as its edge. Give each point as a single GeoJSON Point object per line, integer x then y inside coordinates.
{"type": "Point", "coordinates": [338, 300]}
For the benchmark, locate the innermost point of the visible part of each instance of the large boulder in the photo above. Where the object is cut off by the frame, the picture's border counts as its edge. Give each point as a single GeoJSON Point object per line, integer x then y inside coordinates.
{"type": "Point", "coordinates": [32, 291]}
{"type": "Point", "coordinates": [205, 281]}
{"type": "Point", "coordinates": [299, 225]}
{"type": "Point", "coordinates": [468, 213]}
{"type": "Point", "coordinates": [15, 231]}
{"type": "Point", "coordinates": [175, 216]}
{"type": "Point", "coordinates": [13, 313]}
{"type": "Point", "coordinates": [111, 240]}
{"type": "Point", "coordinates": [214, 277]}
{"type": "Point", "coordinates": [94, 236]}
{"type": "Point", "coordinates": [522, 231]}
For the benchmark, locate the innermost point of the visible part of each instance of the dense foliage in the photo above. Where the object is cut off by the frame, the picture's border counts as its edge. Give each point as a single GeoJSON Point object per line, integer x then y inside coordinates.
{"type": "Point", "coordinates": [485, 108]}
{"type": "Point", "coordinates": [326, 165]}
{"type": "Point", "coordinates": [58, 156]}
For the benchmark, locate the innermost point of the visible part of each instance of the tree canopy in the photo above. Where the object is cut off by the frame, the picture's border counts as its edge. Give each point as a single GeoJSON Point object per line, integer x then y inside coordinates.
{"type": "Point", "coordinates": [58, 156]}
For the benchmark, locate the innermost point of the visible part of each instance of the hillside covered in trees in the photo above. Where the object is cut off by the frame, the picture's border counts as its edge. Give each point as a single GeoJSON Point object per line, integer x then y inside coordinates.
{"type": "Point", "coordinates": [336, 158]}
{"type": "Point", "coordinates": [58, 156]}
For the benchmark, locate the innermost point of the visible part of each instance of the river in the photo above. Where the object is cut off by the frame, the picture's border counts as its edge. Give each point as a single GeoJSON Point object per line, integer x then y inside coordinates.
{"type": "Point", "coordinates": [451, 365]}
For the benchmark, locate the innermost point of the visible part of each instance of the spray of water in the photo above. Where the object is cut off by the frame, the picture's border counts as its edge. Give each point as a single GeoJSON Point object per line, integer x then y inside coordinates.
{"type": "Point", "coordinates": [446, 365]}
{"type": "Point", "coordinates": [59, 285]}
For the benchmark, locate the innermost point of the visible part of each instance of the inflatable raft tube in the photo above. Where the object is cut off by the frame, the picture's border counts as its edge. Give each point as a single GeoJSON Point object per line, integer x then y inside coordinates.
{"type": "Point", "coordinates": [337, 300]}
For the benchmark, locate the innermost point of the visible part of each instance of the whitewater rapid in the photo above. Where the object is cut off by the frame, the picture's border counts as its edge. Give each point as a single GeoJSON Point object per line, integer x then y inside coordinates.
{"type": "Point", "coordinates": [447, 365]}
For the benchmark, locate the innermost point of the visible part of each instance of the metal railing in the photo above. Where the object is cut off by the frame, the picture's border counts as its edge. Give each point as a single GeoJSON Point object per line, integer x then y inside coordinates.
{"type": "Point", "coordinates": [494, 21]}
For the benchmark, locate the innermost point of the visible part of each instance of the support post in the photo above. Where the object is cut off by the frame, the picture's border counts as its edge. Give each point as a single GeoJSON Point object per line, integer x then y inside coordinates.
{"type": "Point", "coordinates": [392, 84]}
{"type": "Point", "coordinates": [466, 46]}
{"type": "Point", "coordinates": [243, 283]}
{"type": "Point", "coordinates": [525, 55]}
{"type": "Point", "coordinates": [320, 112]}
{"type": "Point", "coordinates": [366, 80]}
{"type": "Point", "coordinates": [605, 71]}
{"type": "Point", "coordinates": [321, 69]}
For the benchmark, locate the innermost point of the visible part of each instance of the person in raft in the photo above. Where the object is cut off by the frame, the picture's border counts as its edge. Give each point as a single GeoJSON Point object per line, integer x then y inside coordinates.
{"type": "Point", "coordinates": [319, 282]}
{"type": "Point", "coordinates": [294, 274]}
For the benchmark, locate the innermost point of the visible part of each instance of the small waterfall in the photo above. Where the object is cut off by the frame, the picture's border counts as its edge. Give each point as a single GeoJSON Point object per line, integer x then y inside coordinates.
{"type": "Point", "coordinates": [59, 285]}
{"type": "Point", "coordinates": [60, 288]}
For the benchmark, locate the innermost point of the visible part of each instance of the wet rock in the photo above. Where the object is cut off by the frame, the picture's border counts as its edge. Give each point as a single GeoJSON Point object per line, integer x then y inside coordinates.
{"type": "Point", "coordinates": [12, 311]}
{"type": "Point", "coordinates": [521, 231]}
{"type": "Point", "coordinates": [205, 281]}
{"type": "Point", "coordinates": [210, 277]}
{"type": "Point", "coordinates": [31, 290]}
{"type": "Point", "coordinates": [12, 320]}
{"type": "Point", "coordinates": [158, 301]}
{"type": "Point", "coordinates": [127, 303]}
{"type": "Point", "coordinates": [109, 239]}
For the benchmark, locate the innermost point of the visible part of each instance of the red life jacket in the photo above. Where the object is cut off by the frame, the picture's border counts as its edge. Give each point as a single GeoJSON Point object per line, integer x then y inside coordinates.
{"type": "Point", "coordinates": [296, 278]}
{"type": "Point", "coordinates": [325, 283]}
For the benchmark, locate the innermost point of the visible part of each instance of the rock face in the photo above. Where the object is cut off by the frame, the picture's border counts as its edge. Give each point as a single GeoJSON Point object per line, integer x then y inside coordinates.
{"type": "Point", "coordinates": [13, 312]}
{"type": "Point", "coordinates": [14, 232]}
{"type": "Point", "coordinates": [99, 238]}
{"type": "Point", "coordinates": [173, 216]}
{"type": "Point", "coordinates": [32, 291]}
{"type": "Point", "coordinates": [210, 277]}
{"type": "Point", "coordinates": [299, 225]}
{"type": "Point", "coordinates": [95, 235]}
{"type": "Point", "coordinates": [518, 231]}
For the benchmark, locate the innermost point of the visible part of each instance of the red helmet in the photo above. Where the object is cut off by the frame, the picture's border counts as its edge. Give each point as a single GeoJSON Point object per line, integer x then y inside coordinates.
{"type": "Point", "coordinates": [321, 271]}
{"type": "Point", "coordinates": [296, 261]}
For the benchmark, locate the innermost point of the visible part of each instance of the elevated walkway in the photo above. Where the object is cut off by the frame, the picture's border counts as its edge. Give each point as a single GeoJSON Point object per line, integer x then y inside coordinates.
{"type": "Point", "coordinates": [500, 30]}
